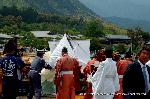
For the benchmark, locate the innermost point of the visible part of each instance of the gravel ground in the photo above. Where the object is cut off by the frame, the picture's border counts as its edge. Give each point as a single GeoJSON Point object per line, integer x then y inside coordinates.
{"type": "Point", "coordinates": [50, 97]}
{"type": "Point", "coordinates": [24, 97]}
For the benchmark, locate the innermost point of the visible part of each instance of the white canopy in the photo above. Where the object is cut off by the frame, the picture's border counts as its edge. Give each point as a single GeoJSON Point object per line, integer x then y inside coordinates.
{"type": "Point", "coordinates": [81, 50]}
{"type": "Point", "coordinates": [76, 48]}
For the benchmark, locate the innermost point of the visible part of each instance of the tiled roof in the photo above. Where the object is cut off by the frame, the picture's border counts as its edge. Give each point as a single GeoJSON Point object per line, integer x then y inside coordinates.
{"type": "Point", "coordinates": [110, 36]}
{"type": "Point", "coordinates": [47, 34]}
{"type": "Point", "coordinates": [4, 36]}
{"type": "Point", "coordinates": [148, 43]}
{"type": "Point", "coordinates": [41, 33]}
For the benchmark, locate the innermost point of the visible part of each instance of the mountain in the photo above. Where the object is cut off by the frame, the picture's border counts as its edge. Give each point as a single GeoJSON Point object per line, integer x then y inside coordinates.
{"type": "Point", "coordinates": [132, 9]}
{"type": "Point", "coordinates": [129, 23]}
{"type": "Point", "coordinates": [73, 8]}
{"type": "Point", "coordinates": [62, 7]}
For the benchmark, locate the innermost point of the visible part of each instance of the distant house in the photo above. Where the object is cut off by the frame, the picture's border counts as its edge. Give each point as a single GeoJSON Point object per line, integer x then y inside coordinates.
{"type": "Point", "coordinates": [43, 34]}
{"type": "Point", "coordinates": [111, 39]}
{"type": "Point", "coordinates": [148, 43]}
{"type": "Point", "coordinates": [17, 36]}
{"type": "Point", "coordinates": [5, 36]}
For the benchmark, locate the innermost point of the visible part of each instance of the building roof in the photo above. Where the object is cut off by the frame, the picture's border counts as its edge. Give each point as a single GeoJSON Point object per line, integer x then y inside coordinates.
{"type": "Point", "coordinates": [47, 34]}
{"type": "Point", "coordinates": [43, 34]}
{"type": "Point", "coordinates": [17, 36]}
{"type": "Point", "coordinates": [110, 36]}
{"type": "Point", "coordinates": [5, 36]}
{"type": "Point", "coordinates": [148, 43]}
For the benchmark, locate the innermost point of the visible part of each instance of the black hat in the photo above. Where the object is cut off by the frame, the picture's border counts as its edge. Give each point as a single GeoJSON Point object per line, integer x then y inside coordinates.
{"type": "Point", "coordinates": [64, 50]}
{"type": "Point", "coordinates": [40, 51]}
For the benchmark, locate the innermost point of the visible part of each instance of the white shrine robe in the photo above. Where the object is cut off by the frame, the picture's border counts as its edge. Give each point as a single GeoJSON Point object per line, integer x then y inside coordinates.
{"type": "Point", "coordinates": [105, 82]}
{"type": "Point", "coordinates": [148, 63]}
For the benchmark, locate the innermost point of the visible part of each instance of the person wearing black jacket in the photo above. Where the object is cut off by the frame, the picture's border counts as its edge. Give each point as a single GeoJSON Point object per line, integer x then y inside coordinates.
{"type": "Point", "coordinates": [136, 79]}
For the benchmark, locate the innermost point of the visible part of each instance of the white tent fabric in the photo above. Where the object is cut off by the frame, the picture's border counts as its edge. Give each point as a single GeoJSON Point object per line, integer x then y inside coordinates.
{"type": "Point", "coordinates": [57, 52]}
{"type": "Point", "coordinates": [45, 73]}
{"type": "Point", "coordinates": [80, 49]}
{"type": "Point", "coordinates": [46, 56]}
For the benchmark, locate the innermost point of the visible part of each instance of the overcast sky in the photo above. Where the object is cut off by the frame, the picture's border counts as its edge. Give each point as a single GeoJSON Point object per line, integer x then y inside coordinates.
{"type": "Point", "coordinates": [134, 9]}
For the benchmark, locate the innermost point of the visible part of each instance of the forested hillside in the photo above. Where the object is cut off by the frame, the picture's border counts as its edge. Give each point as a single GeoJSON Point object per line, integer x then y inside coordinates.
{"type": "Point", "coordinates": [60, 7]}
{"type": "Point", "coordinates": [21, 21]}
{"type": "Point", "coordinates": [127, 23]}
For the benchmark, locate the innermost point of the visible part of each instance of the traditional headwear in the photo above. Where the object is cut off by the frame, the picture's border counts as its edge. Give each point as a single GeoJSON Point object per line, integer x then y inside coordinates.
{"type": "Point", "coordinates": [40, 52]}
{"type": "Point", "coordinates": [64, 50]}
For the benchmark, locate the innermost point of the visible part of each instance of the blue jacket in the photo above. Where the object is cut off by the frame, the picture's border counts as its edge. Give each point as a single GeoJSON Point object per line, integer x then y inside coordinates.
{"type": "Point", "coordinates": [9, 65]}
{"type": "Point", "coordinates": [38, 64]}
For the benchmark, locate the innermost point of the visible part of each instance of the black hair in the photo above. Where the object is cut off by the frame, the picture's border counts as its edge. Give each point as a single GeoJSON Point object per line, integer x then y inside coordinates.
{"type": "Point", "coordinates": [144, 48]}
{"type": "Point", "coordinates": [108, 52]}
{"type": "Point", "coordinates": [40, 54]}
{"type": "Point", "coordinates": [22, 49]}
{"type": "Point", "coordinates": [127, 55]}
{"type": "Point", "coordinates": [10, 46]}
{"type": "Point", "coordinates": [64, 50]}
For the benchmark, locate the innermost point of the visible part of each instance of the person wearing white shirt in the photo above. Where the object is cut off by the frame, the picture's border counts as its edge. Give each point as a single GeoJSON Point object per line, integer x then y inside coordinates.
{"type": "Point", "coordinates": [148, 63]}
{"type": "Point", "coordinates": [105, 81]}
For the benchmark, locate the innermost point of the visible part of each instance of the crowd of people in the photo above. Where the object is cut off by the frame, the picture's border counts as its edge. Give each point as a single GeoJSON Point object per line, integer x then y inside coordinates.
{"type": "Point", "coordinates": [112, 78]}
{"type": "Point", "coordinates": [106, 75]}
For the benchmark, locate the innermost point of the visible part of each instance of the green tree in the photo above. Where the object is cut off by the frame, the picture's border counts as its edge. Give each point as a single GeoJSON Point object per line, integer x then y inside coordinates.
{"type": "Point", "coordinates": [94, 28]}
{"type": "Point", "coordinates": [138, 37]}
{"type": "Point", "coordinates": [121, 48]}
{"type": "Point", "coordinates": [29, 15]}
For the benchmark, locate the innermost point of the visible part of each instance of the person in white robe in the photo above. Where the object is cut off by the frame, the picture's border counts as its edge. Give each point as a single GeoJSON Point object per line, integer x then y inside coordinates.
{"type": "Point", "coordinates": [105, 82]}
